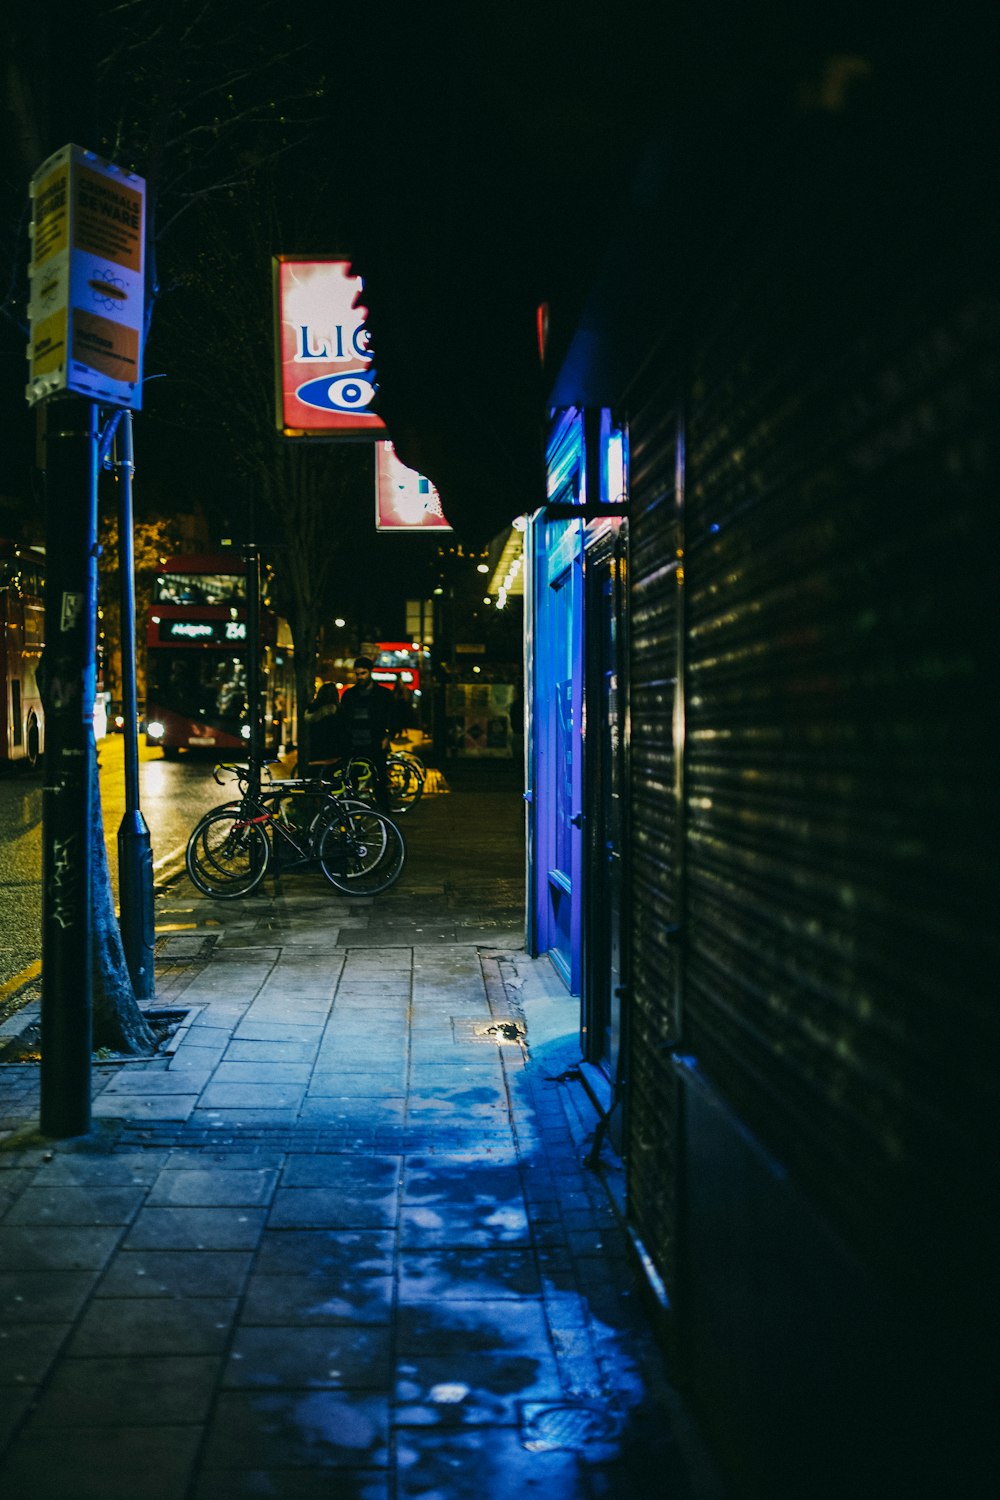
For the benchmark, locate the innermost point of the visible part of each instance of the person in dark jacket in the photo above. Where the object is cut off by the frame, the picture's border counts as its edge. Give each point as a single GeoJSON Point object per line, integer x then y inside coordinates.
{"type": "Point", "coordinates": [364, 723]}
{"type": "Point", "coordinates": [323, 742]}
{"type": "Point", "coordinates": [403, 715]}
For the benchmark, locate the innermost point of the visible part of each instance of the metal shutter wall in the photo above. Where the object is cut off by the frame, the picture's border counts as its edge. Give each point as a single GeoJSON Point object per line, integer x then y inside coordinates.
{"type": "Point", "coordinates": [839, 649]}
{"type": "Point", "coordinates": [653, 605]}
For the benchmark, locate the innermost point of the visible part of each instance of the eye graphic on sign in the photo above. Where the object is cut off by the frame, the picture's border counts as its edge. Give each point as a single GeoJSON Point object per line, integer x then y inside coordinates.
{"type": "Point", "coordinates": [341, 393]}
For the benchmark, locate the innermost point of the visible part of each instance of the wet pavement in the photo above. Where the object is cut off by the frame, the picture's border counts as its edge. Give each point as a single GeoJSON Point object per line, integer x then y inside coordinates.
{"type": "Point", "coordinates": [339, 1239]}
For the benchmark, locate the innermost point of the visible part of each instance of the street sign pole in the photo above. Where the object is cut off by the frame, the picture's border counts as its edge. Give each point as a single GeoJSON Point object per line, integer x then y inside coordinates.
{"type": "Point", "coordinates": [86, 323]}
{"type": "Point", "coordinates": [251, 557]}
{"type": "Point", "coordinates": [135, 854]}
{"type": "Point", "coordinates": [67, 810]}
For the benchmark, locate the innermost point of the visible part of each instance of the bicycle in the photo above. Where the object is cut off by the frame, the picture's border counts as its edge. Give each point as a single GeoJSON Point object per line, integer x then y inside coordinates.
{"type": "Point", "coordinates": [356, 778]}
{"type": "Point", "coordinates": [406, 780]}
{"type": "Point", "coordinates": [359, 850]}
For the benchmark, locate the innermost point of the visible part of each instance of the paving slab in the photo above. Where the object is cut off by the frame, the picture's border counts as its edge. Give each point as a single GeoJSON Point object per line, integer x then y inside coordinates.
{"type": "Point", "coordinates": [43, 1296]}
{"type": "Point", "coordinates": [175, 1273]}
{"type": "Point", "coordinates": [354, 1297]}
{"type": "Point", "coordinates": [187, 1186]}
{"type": "Point", "coordinates": [152, 1461]}
{"type": "Point", "coordinates": [332, 1355]}
{"type": "Point", "coordinates": [299, 1428]}
{"type": "Point", "coordinates": [196, 1229]}
{"type": "Point", "coordinates": [292, 1484]}
{"type": "Point", "coordinates": [130, 1391]}
{"type": "Point", "coordinates": [145, 1326]}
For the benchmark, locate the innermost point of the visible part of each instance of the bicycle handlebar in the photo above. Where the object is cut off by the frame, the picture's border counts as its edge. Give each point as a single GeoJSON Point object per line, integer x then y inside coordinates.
{"type": "Point", "coordinates": [242, 773]}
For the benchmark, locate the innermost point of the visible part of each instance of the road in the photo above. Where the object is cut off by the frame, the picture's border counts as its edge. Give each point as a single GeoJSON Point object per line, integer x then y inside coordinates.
{"type": "Point", "coordinates": [172, 795]}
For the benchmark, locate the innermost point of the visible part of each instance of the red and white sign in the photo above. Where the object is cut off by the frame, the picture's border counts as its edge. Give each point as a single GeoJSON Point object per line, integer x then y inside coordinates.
{"type": "Point", "coordinates": [325, 375]}
{"type": "Point", "coordinates": [404, 499]}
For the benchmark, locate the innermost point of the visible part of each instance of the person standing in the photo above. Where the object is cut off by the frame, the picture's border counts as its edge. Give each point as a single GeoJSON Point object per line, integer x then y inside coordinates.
{"type": "Point", "coordinates": [322, 739]}
{"type": "Point", "coordinates": [364, 722]}
{"type": "Point", "coordinates": [403, 716]}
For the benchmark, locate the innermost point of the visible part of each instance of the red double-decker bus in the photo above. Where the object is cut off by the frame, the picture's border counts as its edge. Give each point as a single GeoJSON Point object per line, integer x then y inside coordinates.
{"type": "Point", "coordinates": [402, 661]}
{"type": "Point", "coordinates": [196, 660]}
{"type": "Point", "coordinates": [22, 636]}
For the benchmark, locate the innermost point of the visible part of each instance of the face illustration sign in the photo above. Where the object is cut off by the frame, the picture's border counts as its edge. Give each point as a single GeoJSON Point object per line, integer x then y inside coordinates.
{"type": "Point", "coordinates": [325, 376]}
{"type": "Point", "coordinates": [404, 499]}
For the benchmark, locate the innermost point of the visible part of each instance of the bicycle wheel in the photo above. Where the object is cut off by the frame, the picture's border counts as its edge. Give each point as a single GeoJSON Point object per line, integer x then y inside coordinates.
{"type": "Point", "coordinates": [406, 785]}
{"type": "Point", "coordinates": [331, 808]}
{"type": "Point", "coordinates": [362, 852]}
{"type": "Point", "coordinates": [226, 856]}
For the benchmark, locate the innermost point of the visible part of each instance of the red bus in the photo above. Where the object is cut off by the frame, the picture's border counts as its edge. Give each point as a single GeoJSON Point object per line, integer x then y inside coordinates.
{"type": "Point", "coordinates": [22, 636]}
{"type": "Point", "coordinates": [196, 660]}
{"type": "Point", "coordinates": [402, 661]}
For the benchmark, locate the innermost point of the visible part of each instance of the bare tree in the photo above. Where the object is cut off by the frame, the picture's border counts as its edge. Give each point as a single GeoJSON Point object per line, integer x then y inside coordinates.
{"type": "Point", "coordinates": [304, 500]}
{"type": "Point", "coordinates": [195, 101]}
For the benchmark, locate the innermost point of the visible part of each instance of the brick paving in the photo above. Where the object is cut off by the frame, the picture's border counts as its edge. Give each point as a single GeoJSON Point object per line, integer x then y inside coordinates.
{"type": "Point", "coordinates": [339, 1240]}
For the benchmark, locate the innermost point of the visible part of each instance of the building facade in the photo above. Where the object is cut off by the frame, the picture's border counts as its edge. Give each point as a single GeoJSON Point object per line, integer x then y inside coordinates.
{"type": "Point", "coordinates": [761, 630]}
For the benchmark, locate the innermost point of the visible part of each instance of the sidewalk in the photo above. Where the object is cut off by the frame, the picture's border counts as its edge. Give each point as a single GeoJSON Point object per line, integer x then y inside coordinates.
{"type": "Point", "coordinates": [338, 1241]}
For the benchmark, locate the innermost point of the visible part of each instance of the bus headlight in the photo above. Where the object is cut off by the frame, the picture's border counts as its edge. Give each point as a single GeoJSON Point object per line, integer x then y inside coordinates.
{"type": "Point", "coordinates": [154, 729]}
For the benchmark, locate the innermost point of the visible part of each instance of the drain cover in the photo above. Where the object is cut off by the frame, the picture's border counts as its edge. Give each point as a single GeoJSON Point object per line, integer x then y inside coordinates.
{"type": "Point", "coordinates": [502, 1031]}
{"type": "Point", "coordinates": [573, 1425]}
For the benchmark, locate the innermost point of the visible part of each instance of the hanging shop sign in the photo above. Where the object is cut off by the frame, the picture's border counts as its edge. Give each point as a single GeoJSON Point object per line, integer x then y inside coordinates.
{"type": "Point", "coordinates": [324, 374]}
{"type": "Point", "coordinates": [86, 305]}
{"type": "Point", "coordinates": [404, 499]}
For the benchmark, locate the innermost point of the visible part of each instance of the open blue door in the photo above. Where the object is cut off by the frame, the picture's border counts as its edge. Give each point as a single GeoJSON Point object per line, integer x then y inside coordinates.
{"type": "Point", "coordinates": [555, 684]}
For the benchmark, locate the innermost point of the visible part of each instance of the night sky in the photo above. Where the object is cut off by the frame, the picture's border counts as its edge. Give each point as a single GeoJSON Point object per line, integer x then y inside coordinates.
{"type": "Point", "coordinates": [474, 161]}
{"type": "Point", "coordinates": [456, 154]}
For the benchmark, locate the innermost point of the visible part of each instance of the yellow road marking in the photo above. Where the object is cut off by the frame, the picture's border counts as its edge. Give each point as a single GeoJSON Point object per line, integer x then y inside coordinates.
{"type": "Point", "coordinates": [26, 975]}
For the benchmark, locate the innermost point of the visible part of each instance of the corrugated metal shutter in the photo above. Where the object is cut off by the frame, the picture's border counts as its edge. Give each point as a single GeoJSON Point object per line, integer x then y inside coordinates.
{"type": "Point", "coordinates": [841, 636]}
{"type": "Point", "coordinates": [654, 825]}
{"type": "Point", "coordinates": [836, 860]}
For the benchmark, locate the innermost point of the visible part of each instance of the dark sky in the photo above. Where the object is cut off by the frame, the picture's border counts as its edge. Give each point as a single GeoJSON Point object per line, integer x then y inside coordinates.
{"type": "Point", "coordinates": [457, 153]}
{"type": "Point", "coordinates": [474, 160]}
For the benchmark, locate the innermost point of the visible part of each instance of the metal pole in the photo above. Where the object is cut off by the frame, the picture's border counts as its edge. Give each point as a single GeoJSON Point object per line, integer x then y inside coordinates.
{"type": "Point", "coordinates": [69, 675]}
{"type": "Point", "coordinates": [135, 854]}
{"type": "Point", "coordinates": [252, 557]}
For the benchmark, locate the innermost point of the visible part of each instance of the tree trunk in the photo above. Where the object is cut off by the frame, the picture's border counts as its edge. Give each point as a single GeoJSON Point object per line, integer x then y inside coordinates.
{"type": "Point", "coordinates": [119, 1024]}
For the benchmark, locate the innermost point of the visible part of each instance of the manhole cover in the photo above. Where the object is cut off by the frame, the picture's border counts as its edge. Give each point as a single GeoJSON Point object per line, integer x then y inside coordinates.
{"type": "Point", "coordinates": [568, 1425]}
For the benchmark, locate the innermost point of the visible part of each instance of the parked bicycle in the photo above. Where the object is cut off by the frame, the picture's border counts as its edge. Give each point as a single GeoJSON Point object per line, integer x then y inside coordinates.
{"type": "Point", "coordinates": [406, 777]}
{"type": "Point", "coordinates": [356, 778]}
{"type": "Point", "coordinates": [292, 824]}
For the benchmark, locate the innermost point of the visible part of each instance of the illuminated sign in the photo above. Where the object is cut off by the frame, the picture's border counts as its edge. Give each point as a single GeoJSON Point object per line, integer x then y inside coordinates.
{"type": "Point", "coordinates": [196, 631]}
{"type": "Point", "coordinates": [404, 499]}
{"type": "Point", "coordinates": [87, 274]}
{"type": "Point", "coordinates": [325, 378]}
